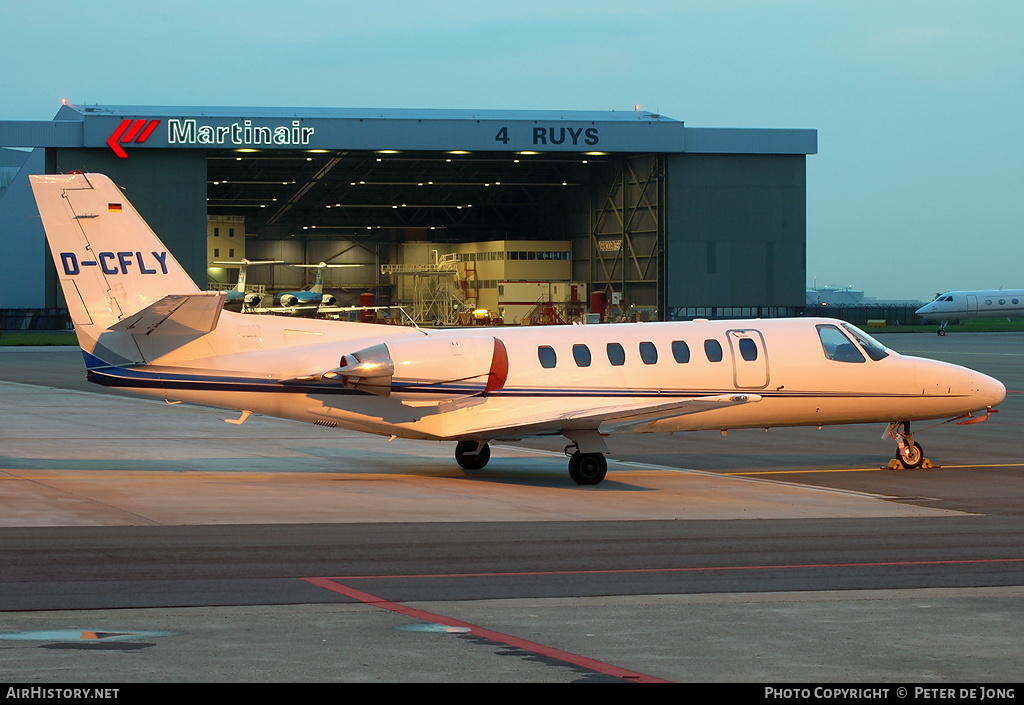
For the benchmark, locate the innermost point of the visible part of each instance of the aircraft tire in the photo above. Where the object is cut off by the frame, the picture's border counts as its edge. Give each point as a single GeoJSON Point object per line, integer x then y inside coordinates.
{"type": "Point", "coordinates": [475, 461]}
{"type": "Point", "coordinates": [587, 468]}
{"type": "Point", "coordinates": [912, 458]}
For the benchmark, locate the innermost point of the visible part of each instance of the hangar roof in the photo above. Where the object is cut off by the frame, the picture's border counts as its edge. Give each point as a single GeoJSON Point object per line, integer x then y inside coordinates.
{"type": "Point", "coordinates": [125, 127]}
{"type": "Point", "coordinates": [362, 113]}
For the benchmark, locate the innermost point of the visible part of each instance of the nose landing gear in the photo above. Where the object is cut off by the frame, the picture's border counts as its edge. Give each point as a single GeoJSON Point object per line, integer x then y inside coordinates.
{"type": "Point", "coordinates": [908, 451]}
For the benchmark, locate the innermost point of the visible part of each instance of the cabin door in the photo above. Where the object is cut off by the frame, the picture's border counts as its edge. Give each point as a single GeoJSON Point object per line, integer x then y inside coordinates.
{"type": "Point", "coordinates": [749, 359]}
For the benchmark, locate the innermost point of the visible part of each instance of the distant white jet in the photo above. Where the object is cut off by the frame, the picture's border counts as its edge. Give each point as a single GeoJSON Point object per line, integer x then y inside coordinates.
{"type": "Point", "coordinates": [145, 327]}
{"type": "Point", "coordinates": [312, 297]}
{"type": "Point", "coordinates": [238, 298]}
{"type": "Point", "coordinates": [979, 303]}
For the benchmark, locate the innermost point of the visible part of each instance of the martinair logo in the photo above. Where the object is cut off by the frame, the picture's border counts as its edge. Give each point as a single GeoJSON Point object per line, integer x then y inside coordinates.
{"type": "Point", "coordinates": [190, 132]}
{"type": "Point", "coordinates": [129, 130]}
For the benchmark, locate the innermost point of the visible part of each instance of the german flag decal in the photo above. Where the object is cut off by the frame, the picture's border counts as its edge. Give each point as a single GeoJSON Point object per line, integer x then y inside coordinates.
{"type": "Point", "coordinates": [113, 207]}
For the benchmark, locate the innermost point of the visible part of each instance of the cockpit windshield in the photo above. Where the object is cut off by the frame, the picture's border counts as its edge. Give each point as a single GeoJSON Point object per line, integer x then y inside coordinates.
{"type": "Point", "coordinates": [837, 346]}
{"type": "Point", "coordinates": [874, 349]}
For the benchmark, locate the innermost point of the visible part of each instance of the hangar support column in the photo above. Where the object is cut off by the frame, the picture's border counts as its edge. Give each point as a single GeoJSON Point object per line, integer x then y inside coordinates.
{"type": "Point", "coordinates": [627, 237]}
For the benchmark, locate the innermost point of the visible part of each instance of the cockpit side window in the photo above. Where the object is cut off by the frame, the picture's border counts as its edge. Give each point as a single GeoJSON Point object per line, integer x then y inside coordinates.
{"type": "Point", "coordinates": [837, 346]}
{"type": "Point", "coordinates": [875, 350]}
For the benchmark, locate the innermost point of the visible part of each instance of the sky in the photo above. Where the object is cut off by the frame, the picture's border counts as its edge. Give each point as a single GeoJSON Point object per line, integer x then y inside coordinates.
{"type": "Point", "coordinates": [917, 186]}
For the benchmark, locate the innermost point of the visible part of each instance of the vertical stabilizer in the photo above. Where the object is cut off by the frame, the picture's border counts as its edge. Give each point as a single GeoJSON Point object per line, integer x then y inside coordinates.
{"type": "Point", "coordinates": [109, 263]}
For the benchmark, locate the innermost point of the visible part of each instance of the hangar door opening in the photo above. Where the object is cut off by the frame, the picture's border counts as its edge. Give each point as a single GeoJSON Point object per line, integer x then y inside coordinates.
{"type": "Point", "coordinates": [402, 222]}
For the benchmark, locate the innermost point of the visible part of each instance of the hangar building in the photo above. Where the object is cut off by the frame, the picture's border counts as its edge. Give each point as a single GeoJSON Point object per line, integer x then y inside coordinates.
{"type": "Point", "coordinates": [632, 212]}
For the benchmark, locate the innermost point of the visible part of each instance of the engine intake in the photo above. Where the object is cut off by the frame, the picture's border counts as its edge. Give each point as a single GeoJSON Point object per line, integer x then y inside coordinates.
{"type": "Point", "coordinates": [428, 369]}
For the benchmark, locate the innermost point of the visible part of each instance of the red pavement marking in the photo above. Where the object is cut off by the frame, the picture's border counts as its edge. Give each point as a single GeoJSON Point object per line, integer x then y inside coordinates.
{"type": "Point", "coordinates": [540, 649]}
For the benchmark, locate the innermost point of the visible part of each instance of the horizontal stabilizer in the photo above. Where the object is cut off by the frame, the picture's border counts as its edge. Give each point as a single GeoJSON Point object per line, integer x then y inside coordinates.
{"type": "Point", "coordinates": [176, 314]}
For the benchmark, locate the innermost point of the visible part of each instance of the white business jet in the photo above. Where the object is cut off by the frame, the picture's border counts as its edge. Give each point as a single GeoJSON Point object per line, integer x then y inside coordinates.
{"type": "Point", "coordinates": [980, 303]}
{"type": "Point", "coordinates": [145, 327]}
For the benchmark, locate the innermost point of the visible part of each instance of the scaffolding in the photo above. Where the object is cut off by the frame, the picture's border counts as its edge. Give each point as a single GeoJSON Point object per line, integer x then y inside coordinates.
{"type": "Point", "coordinates": [437, 294]}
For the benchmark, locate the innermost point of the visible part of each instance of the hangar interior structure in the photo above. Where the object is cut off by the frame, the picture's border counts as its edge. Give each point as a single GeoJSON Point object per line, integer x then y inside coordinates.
{"type": "Point", "coordinates": [535, 216]}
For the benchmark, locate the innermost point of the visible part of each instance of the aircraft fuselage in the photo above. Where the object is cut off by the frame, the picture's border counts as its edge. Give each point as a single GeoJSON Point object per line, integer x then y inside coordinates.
{"type": "Point", "coordinates": [560, 377]}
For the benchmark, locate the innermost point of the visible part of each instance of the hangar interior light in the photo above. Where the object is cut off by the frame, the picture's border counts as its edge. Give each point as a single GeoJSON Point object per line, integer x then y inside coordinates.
{"type": "Point", "coordinates": [465, 195]}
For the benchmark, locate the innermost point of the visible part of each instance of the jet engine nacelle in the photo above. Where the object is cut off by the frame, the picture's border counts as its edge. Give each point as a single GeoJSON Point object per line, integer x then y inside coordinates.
{"type": "Point", "coordinates": [328, 300]}
{"type": "Point", "coordinates": [289, 300]}
{"type": "Point", "coordinates": [426, 368]}
{"type": "Point", "coordinates": [252, 299]}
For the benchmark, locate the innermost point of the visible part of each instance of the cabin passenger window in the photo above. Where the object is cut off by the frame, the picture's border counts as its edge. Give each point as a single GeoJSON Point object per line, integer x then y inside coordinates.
{"type": "Point", "coordinates": [713, 350]}
{"type": "Point", "coordinates": [616, 355]}
{"type": "Point", "coordinates": [748, 349]}
{"type": "Point", "coordinates": [648, 353]}
{"type": "Point", "coordinates": [546, 355]}
{"type": "Point", "coordinates": [581, 354]}
{"type": "Point", "coordinates": [837, 346]}
{"type": "Point", "coordinates": [680, 351]}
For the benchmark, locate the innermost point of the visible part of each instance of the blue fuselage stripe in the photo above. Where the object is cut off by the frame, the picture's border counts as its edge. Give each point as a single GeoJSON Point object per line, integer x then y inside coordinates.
{"type": "Point", "coordinates": [111, 376]}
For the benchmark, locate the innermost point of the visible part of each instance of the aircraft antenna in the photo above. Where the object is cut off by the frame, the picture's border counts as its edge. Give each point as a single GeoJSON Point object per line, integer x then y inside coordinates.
{"type": "Point", "coordinates": [411, 320]}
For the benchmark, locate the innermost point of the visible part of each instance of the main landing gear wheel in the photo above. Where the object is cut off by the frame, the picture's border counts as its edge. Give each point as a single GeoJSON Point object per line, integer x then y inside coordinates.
{"type": "Point", "coordinates": [472, 455]}
{"type": "Point", "coordinates": [587, 468]}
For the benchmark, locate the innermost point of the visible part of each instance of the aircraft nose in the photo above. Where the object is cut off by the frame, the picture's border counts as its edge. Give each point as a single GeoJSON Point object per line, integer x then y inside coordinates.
{"type": "Point", "coordinates": [927, 308]}
{"type": "Point", "coordinates": [989, 390]}
{"type": "Point", "coordinates": [971, 390]}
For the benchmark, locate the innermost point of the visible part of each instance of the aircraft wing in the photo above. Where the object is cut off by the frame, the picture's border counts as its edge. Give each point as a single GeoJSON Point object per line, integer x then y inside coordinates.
{"type": "Point", "coordinates": [176, 314]}
{"type": "Point", "coordinates": [629, 418]}
{"type": "Point", "coordinates": [298, 308]}
{"type": "Point", "coordinates": [620, 418]}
